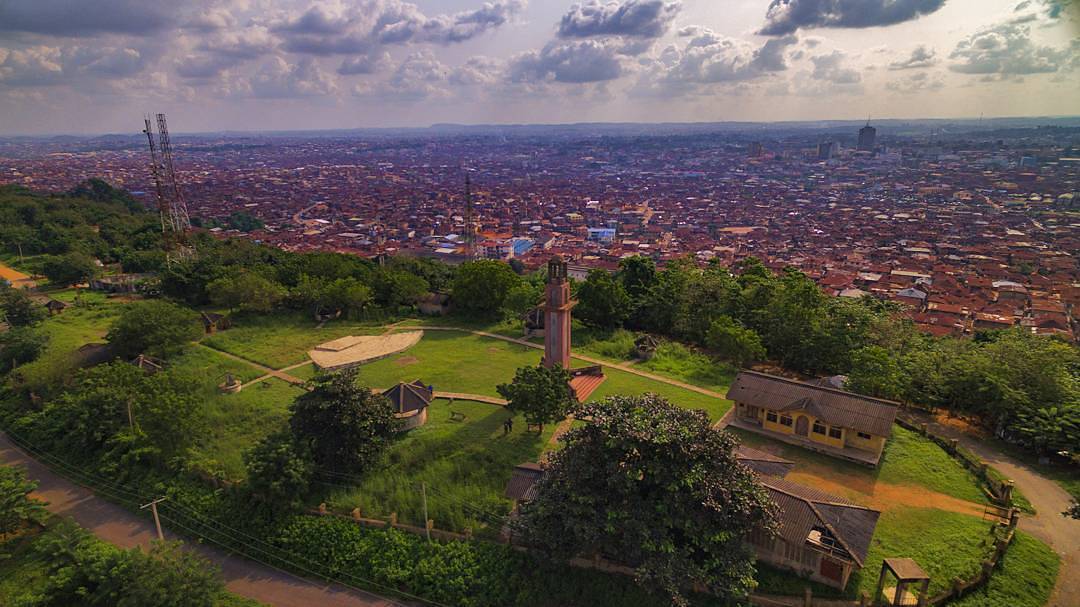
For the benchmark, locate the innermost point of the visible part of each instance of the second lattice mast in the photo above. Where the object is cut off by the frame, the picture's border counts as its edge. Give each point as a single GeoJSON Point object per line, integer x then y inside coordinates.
{"type": "Point", "coordinates": [175, 222]}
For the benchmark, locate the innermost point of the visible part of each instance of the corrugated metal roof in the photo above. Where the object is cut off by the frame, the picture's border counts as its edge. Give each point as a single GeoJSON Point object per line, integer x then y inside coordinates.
{"type": "Point", "coordinates": [763, 462]}
{"type": "Point", "coordinates": [802, 509]}
{"type": "Point", "coordinates": [835, 407]}
{"type": "Point", "coordinates": [523, 481]}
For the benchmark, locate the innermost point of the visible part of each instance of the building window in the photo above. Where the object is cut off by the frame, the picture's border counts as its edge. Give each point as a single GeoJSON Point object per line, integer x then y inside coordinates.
{"type": "Point", "coordinates": [785, 420]}
{"type": "Point", "coordinates": [835, 432]}
{"type": "Point", "coordinates": [771, 416]}
{"type": "Point", "coordinates": [819, 428]}
{"type": "Point", "coordinates": [864, 436]}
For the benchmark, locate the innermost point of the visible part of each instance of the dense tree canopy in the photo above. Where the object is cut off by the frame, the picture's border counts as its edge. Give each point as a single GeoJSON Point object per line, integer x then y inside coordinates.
{"type": "Point", "coordinates": [89, 572]}
{"type": "Point", "coordinates": [657, 488]}
{"type": "Point", "coordinates": [481, 286]}
{"type": "Point", "coordinates": [602, 301]}
{"type": "Point", "coordinates": [18, 309]}
{"type": "Point", "coordinates": [118, 407]}
{"type": "Point", "coordinates": [279, 470]}
{"type": "Point", "coordinates": [153, 327]}
{"type": "Point", "coordinates": [541, 394]}
{"type": "Point", "coordinates": [16, 505]}
{"type": "Point", "coordinates": [21, 345]}
{"type": "Point", "coordinates": [345, 425]}
{"type": "Point", "coordinates": [245, 291]}
{"type": "Point", "coordinates": [70, 268]}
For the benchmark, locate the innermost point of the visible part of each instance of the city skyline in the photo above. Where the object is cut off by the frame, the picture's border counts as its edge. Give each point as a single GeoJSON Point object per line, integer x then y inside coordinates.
{"type": "Point", "coordinates": [279, 65]}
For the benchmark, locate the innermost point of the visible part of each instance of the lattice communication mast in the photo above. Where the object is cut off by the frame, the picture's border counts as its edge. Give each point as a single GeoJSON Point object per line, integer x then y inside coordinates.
{"type": "Point", "coordinates": [175, 222]}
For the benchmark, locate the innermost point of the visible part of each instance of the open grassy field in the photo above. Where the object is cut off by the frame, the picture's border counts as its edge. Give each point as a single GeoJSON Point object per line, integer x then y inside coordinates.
{"type": "Point", "coordinates": [233, 423]}
{"type": "Point", "coordinates": [465, 466]}
{"type": "Point", "coordinates": [909, 461]}
{"type": "Point", "coordinates": [68, 331]}
{"type": "Point", "coordinates": [1025, 577]}
{"type": "Point", "coordinates": [621, 382]}
{"type": "Point", "coordinates": [282, 339]}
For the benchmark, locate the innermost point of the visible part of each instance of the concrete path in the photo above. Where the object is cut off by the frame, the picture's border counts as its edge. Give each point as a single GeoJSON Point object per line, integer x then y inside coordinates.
{"type": "Point", "coordinates": [1049, 499]}
{"type": "Point", "coordinates": [267, 371]}
{"type": "Point", "coordinates": [121, 527]}
{"type": "Point", "coordinates": [589, 359]}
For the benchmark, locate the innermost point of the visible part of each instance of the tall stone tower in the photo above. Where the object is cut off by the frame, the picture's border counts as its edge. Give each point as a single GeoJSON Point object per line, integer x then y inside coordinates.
{"type": "Point", "coordinates": [557, 306]}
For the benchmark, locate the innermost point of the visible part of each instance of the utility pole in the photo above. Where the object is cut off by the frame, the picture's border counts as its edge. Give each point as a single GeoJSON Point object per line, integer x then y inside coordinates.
{"type": "Point", "coordinates": [423, 497]}
{"type": "Point", "coordinates": [157, 521]}
{"type": "Point", "coordinates": [131, 420]}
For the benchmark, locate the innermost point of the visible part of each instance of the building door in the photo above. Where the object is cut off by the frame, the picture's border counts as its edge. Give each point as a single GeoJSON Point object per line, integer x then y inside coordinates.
{"type": "Point", "coordinates": [802, 425]}
{"type": "Point", "coordinates": [832, 570]}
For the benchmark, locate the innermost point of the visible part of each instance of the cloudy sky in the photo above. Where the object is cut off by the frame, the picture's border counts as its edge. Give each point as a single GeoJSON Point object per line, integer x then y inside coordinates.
{"type": "Point", "coordinates": [91, 66]}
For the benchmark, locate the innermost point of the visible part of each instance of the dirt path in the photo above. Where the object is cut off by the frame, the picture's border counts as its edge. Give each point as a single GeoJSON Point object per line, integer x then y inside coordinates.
{"type": "Point", "coordinates": [885, 496]}
{"type": "Point", "coordinates": [122, 528]}
{"type": "Point", "coordinates": [267, 371]}
{"type": "Point", "coordinates": [1049, 499]}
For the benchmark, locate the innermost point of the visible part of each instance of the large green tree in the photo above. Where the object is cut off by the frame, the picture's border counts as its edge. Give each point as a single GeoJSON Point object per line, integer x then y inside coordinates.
{"type": "Point", "coordinates": [245, 291]}
{"type": "Point", "coordinates": [481, 286]}
{"type": "Point", "coordinates": [154, 327]}
{"type": "Point", "coordinates": [120, 408]}
{"type": "Point", "coordinates": [16, 505]}
{"type": "Point", "coordinates": [69, 269]}
{"type": "Point", "coordinates": [602, 301]}
{"type": "Point", "coordinates": [278, 469]}
{"type": "Point", "coordinates": [21, 345]}
{"type": "Point", "coordinates": [18, 309]}
{"type": "Point", "coordinates": [733, 342]}
{"type": "Point", "coordinates": [656, 487]}
{"type": "Point", "coordinates": [345, 425]}
{"type": "Point", "coordinates": [637, 275]}
{"type": "Point", "coordinates": [541, 394]}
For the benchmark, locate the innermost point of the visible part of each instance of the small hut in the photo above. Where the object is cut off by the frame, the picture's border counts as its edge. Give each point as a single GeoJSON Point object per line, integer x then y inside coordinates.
{"type": "Point", "coordinates": [411, 403]}
{"type": "Point", "coordinates": [434, 304]}
{"type": "Point", "coordinates": [645, 347]}
{"type": "Point", "coordinates": [149, 364]}
{"type": "Point", "coordinates": [214, 322]}
{"type": "Point", "coordinates": [326, 314]}
{"type": "Point", "coordinates": [533, 322]}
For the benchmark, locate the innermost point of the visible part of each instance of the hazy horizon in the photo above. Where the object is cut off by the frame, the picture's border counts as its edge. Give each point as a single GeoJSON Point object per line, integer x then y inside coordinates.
{"type": "Point", "coordinates": [69, 66]}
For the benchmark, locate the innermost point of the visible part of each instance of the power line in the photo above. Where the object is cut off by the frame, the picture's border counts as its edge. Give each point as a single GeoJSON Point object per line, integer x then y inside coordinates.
{"type": "Point", "coordinates": [225, 530]}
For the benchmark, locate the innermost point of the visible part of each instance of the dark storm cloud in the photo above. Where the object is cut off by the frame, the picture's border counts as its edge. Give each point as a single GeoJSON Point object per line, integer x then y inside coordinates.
{"type": "Point", "coordinates": [372, 23]}
{"type": "Point", "coordinates": [86, 17]}
{"type": "Point", "coordinates": [786, 16]}
{"type": "Point", "coordinates": [633, 18]}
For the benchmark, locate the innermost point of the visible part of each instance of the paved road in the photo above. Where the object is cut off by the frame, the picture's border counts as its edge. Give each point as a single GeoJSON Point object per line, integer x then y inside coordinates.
{"type": "Point", "coordinates": [126, 530]}
{"type": "Point", "coordinates": [1050, 500]}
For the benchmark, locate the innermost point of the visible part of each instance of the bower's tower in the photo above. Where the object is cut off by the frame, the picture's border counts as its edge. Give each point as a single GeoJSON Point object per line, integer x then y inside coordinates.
{"type": "Point", "coordinates": [557, 306]}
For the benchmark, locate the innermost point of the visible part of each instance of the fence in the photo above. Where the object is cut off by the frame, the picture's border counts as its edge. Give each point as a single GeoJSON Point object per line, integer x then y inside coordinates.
{"type": "Point", "coordinates": [997, 488]}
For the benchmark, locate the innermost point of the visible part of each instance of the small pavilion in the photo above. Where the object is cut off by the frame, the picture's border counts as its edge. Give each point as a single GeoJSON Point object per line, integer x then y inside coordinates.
{"type": "Point", "coordinates": [907, 573]}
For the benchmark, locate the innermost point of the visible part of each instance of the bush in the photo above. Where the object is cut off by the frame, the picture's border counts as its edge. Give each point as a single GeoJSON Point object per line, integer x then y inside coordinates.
{"type": "Point", "coordinates": [155, 327]}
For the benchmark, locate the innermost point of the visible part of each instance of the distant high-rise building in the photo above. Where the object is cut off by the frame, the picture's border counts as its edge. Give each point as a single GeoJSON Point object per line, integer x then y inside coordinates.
{"type": "Point", "coordinates": [867, 136]}
{"type": "Point", "coordinates": [756, 149]}
{"type": "Point", "coordinates": [827, 150]}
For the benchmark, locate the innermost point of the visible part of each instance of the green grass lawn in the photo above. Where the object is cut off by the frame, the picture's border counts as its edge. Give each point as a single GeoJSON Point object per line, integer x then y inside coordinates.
{"type": "Point", "coordinates": [68, 331]}
{"type": "Point", "coordinates": [304, 372]}
{"type": "Point", "coordinates": [280, 340]}
{"type": "Point", "coordinates": [909, 459]}
{"type": "Point", "coordinates": [621, 382]}
{"type": "Point", "coordinates": [452, 362]}
{"type": "Point", "coordinates": [1025, 577]}
{"type": "Point", "coordinates": [465, 466]}
{"type": "Point", "coordinates": [233, 423]}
